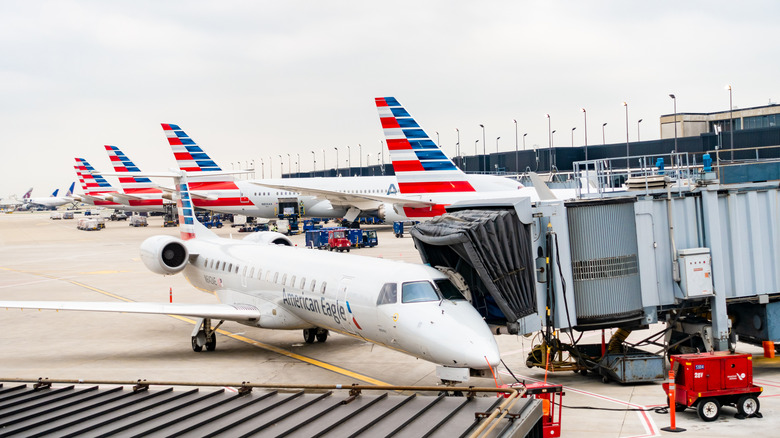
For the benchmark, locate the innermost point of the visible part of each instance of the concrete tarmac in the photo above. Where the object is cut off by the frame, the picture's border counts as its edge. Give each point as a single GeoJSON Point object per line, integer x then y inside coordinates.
{"type": "Point", "coordinates": [44, 259]}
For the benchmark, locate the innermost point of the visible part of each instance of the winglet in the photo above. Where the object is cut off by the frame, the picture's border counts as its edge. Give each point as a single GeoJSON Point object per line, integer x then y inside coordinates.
{"type": "Point", "coordinates": [544, 192]}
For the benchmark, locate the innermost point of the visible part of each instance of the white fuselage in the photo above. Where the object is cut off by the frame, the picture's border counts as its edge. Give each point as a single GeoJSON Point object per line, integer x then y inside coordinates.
{"type": "Point", "coordinates": [298, 288]}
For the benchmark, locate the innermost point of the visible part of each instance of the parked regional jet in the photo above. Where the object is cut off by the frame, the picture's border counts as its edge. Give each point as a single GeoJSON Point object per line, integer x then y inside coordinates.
{"type": "Point", "coordinates": [263, 281]}
{"type": "Point", "coordinates": [52, 201]}
{"type": "Point", "coordinates": [97, 190]}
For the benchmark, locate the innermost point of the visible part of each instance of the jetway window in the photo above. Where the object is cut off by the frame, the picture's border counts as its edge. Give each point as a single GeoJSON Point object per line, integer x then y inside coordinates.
{"type": "Point", "coordinates": [418, 292]}
{"type": "Point", "coordinates": [388, 294]}
{"type": "Point", "coordinates": [448, 290]}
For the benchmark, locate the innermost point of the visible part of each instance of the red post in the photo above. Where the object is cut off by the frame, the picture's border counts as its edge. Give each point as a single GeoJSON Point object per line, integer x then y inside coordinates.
{"type": "Point", "coordinates": [170, 294]}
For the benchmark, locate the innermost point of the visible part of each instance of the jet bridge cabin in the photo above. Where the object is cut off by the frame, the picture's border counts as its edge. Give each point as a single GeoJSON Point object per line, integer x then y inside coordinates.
{"type": "Point", "coordinates": [702, 257]}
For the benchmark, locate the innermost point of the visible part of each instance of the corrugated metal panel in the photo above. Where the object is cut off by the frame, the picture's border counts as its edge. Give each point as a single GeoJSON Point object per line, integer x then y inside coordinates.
{"type": "Point", "coordinates": [89, 410]}
{"type": "Point", "coordinates": [604, 261]}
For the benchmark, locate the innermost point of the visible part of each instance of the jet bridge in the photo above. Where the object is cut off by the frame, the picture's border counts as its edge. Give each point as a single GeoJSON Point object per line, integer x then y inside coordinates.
{"type": "Point", "coordinates": [701, 256]}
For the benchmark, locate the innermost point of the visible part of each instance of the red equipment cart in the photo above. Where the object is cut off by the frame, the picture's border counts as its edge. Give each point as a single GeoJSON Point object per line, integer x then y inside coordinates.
{"type": "Point", "coordinates": [552, 403]}
{"type": "Point", "coordinates": [708, 381]}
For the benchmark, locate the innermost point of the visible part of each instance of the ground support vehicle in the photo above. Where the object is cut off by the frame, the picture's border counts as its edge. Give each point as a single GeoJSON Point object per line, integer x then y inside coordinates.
{"type": "Point", "coordinates": [317, 238]}
{"type": "Point", "coordinates": [88, 224]}
{"type": "Point", "coordinates": [338, 240]}
{"type": "Point", "coordinates": [708, 381]}
{"type": "Point", "coordinates": [369, 239]}
{"type": "Point", "coordinates": [138, 221]}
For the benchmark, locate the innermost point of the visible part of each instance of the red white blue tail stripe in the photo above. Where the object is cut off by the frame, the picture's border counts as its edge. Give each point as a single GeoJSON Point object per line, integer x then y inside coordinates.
{"type": "Point", "coordinates": [189, 156]}
{"type": "Point", "coordinates": [123, 164]}
{"type": "Point", "coordinates": [419, 164]}
{"type": "Point", "coordinates": [186, 211]}
{"type": "Point", "coordinates": [93, 184]}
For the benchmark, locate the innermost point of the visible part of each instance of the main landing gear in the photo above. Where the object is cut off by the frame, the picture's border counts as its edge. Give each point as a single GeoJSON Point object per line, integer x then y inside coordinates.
{"type": "Point", "coordinates": [309, 335]}
{"type": "Point", "coordinates": [204, 335]}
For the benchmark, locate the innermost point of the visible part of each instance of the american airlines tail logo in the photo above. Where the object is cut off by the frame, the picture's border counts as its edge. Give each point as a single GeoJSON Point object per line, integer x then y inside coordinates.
{"type": "Point", "coordinates": [392, 190]}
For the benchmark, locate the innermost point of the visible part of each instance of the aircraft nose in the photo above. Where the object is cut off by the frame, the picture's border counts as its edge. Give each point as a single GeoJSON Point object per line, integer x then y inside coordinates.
{"type": "Point", "coordinates": [464, 339]}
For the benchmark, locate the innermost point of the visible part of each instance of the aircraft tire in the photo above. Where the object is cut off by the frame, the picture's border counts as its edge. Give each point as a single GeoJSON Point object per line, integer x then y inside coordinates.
{"type": "Point", "coordinates": [322, 335]}
{"type": "Point", "coordinates": [211, 345]}
{"type": "Point", "coordinates": [309, 335]}
{"type": "Point", "coordinates": [195, 347]}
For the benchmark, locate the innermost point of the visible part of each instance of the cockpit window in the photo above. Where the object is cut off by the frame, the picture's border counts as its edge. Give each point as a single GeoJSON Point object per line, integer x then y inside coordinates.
{"type": "Point", "coordinates": [418, 291]}
{"type": "Point", "coordinates": [388, 294]}
{"type": "Point", "coordinates": [448, 290]}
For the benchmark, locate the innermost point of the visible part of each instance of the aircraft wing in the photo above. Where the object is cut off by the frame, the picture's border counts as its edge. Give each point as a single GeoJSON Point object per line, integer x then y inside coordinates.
{"type": "Point", "coordinates": [359, 200]}
{"type": "Point", "coordinates": [238, 313]}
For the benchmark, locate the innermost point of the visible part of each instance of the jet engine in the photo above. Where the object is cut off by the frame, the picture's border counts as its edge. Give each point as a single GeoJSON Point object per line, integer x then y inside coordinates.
{"type": "Point", "coordinates": [165, 255]}
{"type": "Point", "coordinates": [268, 238]}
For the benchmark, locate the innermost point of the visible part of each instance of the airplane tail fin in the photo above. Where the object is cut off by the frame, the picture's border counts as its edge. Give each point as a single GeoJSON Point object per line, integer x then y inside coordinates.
{"type": "Point", "coordinates": [54, 193]}
{"type": "Point", "coordinates": [70, 189]}
{"type": "Point", "coordinates": [28, 194]}
{"type": "Point", "coordinates": [419, 164]}
{"type": "Point", "coordinates": [189, 226]}
{"type": "Point", "coordinates": [122, 164]}
{"type": "Point", "coordinates": [93, 184]}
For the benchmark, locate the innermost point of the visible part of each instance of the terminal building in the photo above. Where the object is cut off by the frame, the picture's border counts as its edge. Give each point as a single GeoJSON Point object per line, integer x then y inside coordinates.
{"type": "Point", "coordinates": [696, 124]}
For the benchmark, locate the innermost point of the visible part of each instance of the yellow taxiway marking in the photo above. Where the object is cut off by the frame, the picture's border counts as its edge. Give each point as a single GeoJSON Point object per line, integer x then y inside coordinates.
{"type": "Point", "coordinates": [283, 352]}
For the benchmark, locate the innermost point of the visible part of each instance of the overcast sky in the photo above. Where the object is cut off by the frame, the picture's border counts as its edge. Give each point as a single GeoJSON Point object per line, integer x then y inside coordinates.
{"type": "Point", "coordinates": [255, 79]}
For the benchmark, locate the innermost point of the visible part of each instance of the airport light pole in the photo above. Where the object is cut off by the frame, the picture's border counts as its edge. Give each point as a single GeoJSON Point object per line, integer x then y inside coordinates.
{"type": "Point", "coordinates": [549, 140]}
{"type": "Point", "coordinates": [349, 159]}
{"type": "Point", "coordinates": [381, 151]}
{"type": "Point", "coordinates": [314, 160]}
{"type": "Point", "coordinates": [271, 166]}
{"type": "Point", "coordinates": [457, 148]}
{"type": "Point", "coordinates": [262, 168]}
{"type": "Point", "coordinates": [475, 152]}
{"type": "Point", "coordinates": [337, 160]}
{"type": "Point", "coordinates": [497, 138]}
{"type": "Point", "coordinates": [572, 135]}
{"type": "Point", "coordinates": [638, 133]}
{"type": "Point", "coordinates": [585, 116]}
{"type": "Point", "coordinates": [625, 104]}
{"type": "Point", "coordinates": [517, 159]}
{"type": "Point", "coordinates": [360, 158]}
{"type": "Point", "coordinates": [324, 168]}
{"type": "Point", "coordinates": [281, 167]}
{"type": "Point", "coordinates": [298, 163]}
{"type": "Point", "coordinates": [731, 121]}
{"type": "Point", "coordinates": [603, 134]}
{"type": "Point", "coordinates": [524, 135]}
{"type": "Point", "coordinates": [484, 152]}
{"type": "Point", "coordinates": [438, 143]}
{"type": "Point", "coordinates": [674, 99]}
{"type": "Point", "coordinates": [289, 164]}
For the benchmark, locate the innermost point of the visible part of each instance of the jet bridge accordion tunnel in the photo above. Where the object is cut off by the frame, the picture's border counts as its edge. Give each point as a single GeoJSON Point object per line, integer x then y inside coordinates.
{"type": "Point", "coordinates": [489, 250]}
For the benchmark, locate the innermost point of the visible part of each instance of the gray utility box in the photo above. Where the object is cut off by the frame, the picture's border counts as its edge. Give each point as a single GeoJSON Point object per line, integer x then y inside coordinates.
{"type": "Point", "coordinates": [695, 272]}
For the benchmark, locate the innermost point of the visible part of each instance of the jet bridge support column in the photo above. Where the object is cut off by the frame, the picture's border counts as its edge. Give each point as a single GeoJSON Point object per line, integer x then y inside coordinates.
{"type": "Point", "coordinates": [554, 219]}
{"type": "Point", "coordinates": [714, 241]}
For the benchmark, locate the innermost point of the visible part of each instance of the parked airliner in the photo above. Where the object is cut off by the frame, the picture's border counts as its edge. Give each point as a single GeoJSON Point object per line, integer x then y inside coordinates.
{"type": "Point", "coordinates": [264, 281]}
{"type": "Point", "coordinates": [52, 201]}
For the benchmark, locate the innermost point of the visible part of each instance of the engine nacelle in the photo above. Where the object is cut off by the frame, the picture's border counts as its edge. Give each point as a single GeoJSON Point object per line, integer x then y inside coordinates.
{"type": "Point", "coordinates": [165, 255]}
{"type": "Point", "coordinates": [268, 238]}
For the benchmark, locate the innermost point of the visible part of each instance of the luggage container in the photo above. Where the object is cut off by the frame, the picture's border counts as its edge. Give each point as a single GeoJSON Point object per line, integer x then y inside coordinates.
{"type": "Point", "coordinates": [138, 221]}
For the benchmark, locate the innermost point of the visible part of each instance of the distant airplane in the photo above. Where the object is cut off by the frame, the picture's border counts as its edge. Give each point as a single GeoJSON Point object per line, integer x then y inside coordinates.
{"type": "Point", "coordinates": [50, 202]}
{"type": "Point", "coordinates": [97, 190]}
{"type": "Point", "coordinates": [263, 281]}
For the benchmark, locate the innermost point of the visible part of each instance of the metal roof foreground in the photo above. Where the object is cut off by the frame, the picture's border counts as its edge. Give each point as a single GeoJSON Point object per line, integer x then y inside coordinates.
{"type": "Point", "coordinates": [146, 409]}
